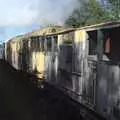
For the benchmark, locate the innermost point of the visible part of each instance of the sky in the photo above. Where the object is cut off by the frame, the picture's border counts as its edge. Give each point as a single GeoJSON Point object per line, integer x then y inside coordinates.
{"type": "Point", "coordinates": [22, 16]}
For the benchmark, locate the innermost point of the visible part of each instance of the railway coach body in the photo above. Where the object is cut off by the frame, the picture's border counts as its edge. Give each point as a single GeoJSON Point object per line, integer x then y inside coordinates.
{"type": "Point", "coordinates": [30, 51]}
{"type": "Point", "coordinates": [12, 51]}
{"type": "Point", "coordinates": [83, 63]}
{"type": "Point", "coordinates": [88, 67]}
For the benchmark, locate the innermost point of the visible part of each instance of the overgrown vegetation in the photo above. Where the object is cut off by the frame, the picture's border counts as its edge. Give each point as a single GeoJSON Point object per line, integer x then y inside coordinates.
{"type": "Point", "coordinates": [94, 11]}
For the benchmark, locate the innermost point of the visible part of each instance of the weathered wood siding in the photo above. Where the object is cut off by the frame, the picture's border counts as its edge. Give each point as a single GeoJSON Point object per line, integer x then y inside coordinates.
{"type": "Point", "coordinates": [65, 60]}
{"type": "Point", "coordinates": [108, 90]}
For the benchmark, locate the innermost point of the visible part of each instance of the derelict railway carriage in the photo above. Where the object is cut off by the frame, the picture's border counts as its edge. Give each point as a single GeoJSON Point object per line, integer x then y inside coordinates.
{"type": "Point", "coordinates": [83, 63]}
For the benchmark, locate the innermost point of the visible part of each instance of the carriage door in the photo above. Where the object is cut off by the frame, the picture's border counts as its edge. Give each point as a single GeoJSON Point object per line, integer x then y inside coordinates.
{"type": "Point", "coordinates": [90, 68]}
{"type": "Point", "coordinates": [48, 58]}
{"type": "Point", "coordinates": [54, 60]}
{"type": "Point", "coordinates": [51, 59]}
{"type": "Point", "coordinates": [84, 66]}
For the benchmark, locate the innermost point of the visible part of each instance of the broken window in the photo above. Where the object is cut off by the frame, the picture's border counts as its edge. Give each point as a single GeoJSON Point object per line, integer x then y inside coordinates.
{"type": "Point", "coordinates": [112, 45]}
{"type": "Point", "coordinates": [92, 42]}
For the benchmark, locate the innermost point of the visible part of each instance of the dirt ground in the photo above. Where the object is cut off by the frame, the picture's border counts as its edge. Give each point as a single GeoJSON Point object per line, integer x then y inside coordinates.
{"type": "Point", "coordinates": [19, 100]}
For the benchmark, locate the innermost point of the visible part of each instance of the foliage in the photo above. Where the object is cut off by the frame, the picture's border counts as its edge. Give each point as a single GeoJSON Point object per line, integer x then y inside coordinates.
{"type": "Point", "coordinates": [114, 9]}
{"type": "Point", "coordinates": [94, 11]}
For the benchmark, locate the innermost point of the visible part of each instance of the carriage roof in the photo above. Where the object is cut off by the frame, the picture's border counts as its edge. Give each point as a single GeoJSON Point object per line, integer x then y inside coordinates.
{"type": "Point", "coordinates": [57, 30]}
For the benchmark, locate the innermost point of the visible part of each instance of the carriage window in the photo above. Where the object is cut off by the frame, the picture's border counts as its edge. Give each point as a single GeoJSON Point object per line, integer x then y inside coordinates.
{"type": "Point", "coordinates": [37, 42]}
{"type": "Point", "coordinates": [67, 38]}
{"type": "Point", "coordinates": [69, 54]}
{"type": "Point", "coordinates": [32, 43]}
{"type": "Point", "coordinates": [92, 42]}
{"type": "Point", "coordinates": [112, 45]}
{"type": "Point", "coordinates": [55, 43]}
{"type": "Point", "coordinates": [42, 44]}
{"type": "Point", "coordinates": [49, 43]}
{"type": "Point", "coordinates": [55, 40]}
{"type": "Point", "coordinates": [106, 46]}
{"type": "Point", "coordinates": [107, 43]}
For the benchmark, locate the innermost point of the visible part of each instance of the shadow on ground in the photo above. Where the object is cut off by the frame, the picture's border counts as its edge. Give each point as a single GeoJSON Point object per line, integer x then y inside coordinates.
{"type": "Point", "coordinates": [19, 100]}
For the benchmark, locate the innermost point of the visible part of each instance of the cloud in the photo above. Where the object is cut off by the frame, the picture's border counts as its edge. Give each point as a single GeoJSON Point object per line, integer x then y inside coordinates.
{"type": "Point", "coordinates": [55, 11]}
{"type": "Point", "coordinates": [29, 12]}
{"type": "Point", "coordinates": [21, 16]}
{"type": "Point", "coordinates": [16, 13]}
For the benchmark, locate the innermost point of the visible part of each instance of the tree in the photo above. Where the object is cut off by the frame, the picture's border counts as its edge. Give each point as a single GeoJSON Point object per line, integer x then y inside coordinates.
{"type": "Point", "coordinates": [114, 9]}
{"type": "Point", "coordinates": [98, 11]}
{"type": "Point", "coordinates": [80, 15]}
{"type": "Point", "coordinates": [89, 12]}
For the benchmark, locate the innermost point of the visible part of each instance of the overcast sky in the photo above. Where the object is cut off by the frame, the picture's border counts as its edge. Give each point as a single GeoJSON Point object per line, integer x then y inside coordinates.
{"type": "Point", "coordinates": [20, 16]}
